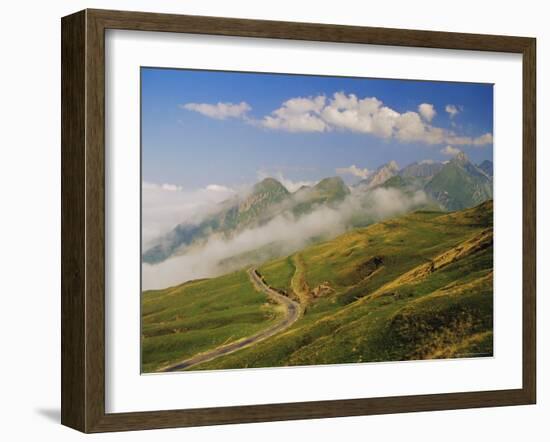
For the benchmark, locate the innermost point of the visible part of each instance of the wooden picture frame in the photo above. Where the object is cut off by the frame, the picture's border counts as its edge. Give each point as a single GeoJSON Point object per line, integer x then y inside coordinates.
{"type": "Point", "coordinates": [83, 220]}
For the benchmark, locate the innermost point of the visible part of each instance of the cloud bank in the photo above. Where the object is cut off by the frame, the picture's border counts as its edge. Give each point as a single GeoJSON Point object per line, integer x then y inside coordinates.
{"type": "Point", "coordinates": [347, 112]}
{"type": "Point", "coordinates": [166, 205]}
{"type": "Point", "coordinates": [218, 255]}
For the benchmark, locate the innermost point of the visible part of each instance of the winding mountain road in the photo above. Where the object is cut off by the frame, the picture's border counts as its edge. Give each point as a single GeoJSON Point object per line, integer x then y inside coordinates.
{"type": "Point", "coordinates": [292, 313]}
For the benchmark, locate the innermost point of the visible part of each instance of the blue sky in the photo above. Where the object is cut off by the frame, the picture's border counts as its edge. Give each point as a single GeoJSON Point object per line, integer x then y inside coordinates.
{"type": "Point", "coordinates": [203, 127]}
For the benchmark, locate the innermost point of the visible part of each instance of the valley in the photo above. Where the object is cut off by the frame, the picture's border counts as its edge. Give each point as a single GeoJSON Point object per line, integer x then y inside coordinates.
{"type": "Point", "coordinates": [417, 286]}
{"type": "Point", "coordinates": [270, 222]}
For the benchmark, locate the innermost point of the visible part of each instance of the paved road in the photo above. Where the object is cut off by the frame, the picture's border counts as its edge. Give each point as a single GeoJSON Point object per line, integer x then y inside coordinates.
{"type": "Point", "coordinates": [292, 314]}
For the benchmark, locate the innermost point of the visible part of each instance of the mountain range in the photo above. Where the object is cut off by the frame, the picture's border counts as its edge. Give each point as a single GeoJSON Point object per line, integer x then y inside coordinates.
{"type": "Point", "coordinates": [380, 176]}
{"type": "Point", "coordinates": [460, 184]}
{"type": "Point", "coordinates": [267, 199]}
{"type": "Point", "coordinates": [453, 185]}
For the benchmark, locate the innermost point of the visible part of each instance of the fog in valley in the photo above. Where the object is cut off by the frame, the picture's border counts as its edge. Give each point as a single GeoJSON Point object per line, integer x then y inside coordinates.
{"type": "Point", "coordinates": [280, 236]}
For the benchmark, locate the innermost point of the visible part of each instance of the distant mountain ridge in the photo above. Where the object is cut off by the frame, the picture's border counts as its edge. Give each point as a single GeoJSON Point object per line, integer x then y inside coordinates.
{"type": "Point", "coordinates": [380, 175]}
{"type": "Point", "coordinates": [454, 185]}
{"type": "Point", "coordinates": [487, 167]}
{"type": "Point", "coordinates": [267, 199]}
{"type": "Point", "coordinates": [423, 169]}
{"type": "Point", "coordinates": [460, 184]}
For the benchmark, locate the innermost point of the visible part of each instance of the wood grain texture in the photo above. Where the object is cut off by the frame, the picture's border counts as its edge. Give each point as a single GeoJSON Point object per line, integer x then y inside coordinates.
{"type": "Point", "coordinates": [73, 254]}
{"type": "Point", "coordinates": [95, 222]}
{"type": "Point", "coordinates": [83, 219]}
{"type": "Point", "coordinates": [145, 21]}
{"type": "Point", "coordinates": [529, 220]}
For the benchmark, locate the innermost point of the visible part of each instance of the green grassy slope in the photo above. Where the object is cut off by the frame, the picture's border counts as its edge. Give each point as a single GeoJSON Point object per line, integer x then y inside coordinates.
{"type": "Point", "coordinates": [327, 191]}
{"type": "Point", "coordinates": [280, 273]}
{"type": "Point", "coordinates": [460, 184]}
{"type": "Point", "coordinates": [415, 287]}
{"type": "Point", "coordinates": [182, 321]}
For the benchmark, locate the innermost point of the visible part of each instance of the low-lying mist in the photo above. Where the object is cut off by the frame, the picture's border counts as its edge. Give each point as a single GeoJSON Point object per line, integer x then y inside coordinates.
{"type": "Point", "coordinates": [288, 232]}
{"type": "Point", "coordinates": [165, 205]}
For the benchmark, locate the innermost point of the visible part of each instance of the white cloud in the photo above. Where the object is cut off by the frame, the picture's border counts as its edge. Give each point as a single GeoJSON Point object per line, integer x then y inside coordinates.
{"type": "Point", "coordinates": [171, 187]}
{"type": "Point", "coordinates": [427, 111]}
{"type": "Point", "coordinates": [353, 170]}
{"type": "Point", "coordinates": [452, 110]}
{"type": "Point", "coordinates": [410, 127]}
{"type": "Point", "coordinates": [483, 140]}
{"type": "Point", "coordinates": [166, 205]}
{"type": "Point", "coordinates": [290, 232]}
{"type": "Point", "coordinates": [347, 112]}
{"type": "Point", "coordinates": [450, 150]}
{"type": "Point", "coordinates": [367, 115]}
{"type": "Point", "coordinates": [219, 188]}
{"type": "Point", "coordinates": [298, 115]}
{"type": "Point", "coordinates": [219, 111]}
{"type": "Point", "coordinates": [167, 187]}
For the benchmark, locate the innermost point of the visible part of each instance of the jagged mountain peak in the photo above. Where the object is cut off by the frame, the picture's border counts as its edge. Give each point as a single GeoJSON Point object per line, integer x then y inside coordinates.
{"type": "Point", "coordinates": [327, 191]}
{"type": "Point", "coordinates": [331, 182]}
{"type": "Point", "coordinates": [422, 169]}
{"type": "Point", "coordinates": [381, 175]}
{"type": "Point", "coordinates": [453, 185]}
{"type": "Point", "coordinates": [460, 184]}
{"type": "Point", "coordinates": [461, 158]}
{"type": "Point", "coordinates": [269, 185]}
{"type": "Point", "coordinates": [331, 189]}
{"type": "Point", "coordinates": [392, 165]}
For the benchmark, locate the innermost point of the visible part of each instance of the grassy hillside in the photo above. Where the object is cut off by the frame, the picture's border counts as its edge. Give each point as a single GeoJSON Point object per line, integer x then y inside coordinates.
{"type": "Point", "coordinates": [414, 287]}
{"type": "Point", "coordinates": [280, 273]}
{"type": "Point", "coordinates": [410, 288]}
{"type": "Point", "coordinates": [182, 321]}
{"type": "Point", "coordinates": [327, 191]}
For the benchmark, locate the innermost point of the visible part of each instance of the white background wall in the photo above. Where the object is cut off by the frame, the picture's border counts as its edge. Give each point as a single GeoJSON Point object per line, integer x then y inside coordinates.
{"type": "Point", "coordinates": [30, 217]}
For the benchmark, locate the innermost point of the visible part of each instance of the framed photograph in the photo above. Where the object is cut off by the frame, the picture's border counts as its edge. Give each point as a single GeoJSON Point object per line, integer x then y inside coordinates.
{"type": "Point", "coordinates": [267, 220]}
